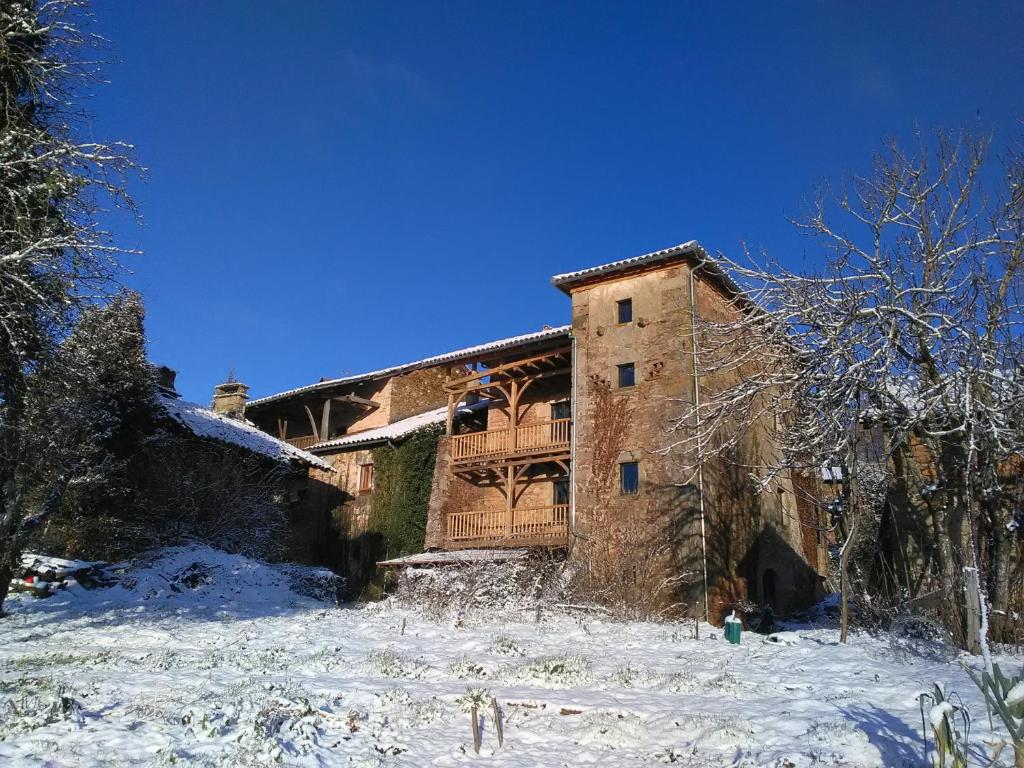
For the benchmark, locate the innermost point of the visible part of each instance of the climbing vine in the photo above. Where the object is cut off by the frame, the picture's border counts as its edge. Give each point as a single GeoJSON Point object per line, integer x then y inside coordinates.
{"type": "Point", "coordinates": [403, 476]}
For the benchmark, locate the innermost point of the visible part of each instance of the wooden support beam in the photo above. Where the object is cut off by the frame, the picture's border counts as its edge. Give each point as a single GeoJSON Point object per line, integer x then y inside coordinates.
{"type": "Point", "coordinates": [312, 422]}
{"type": "Point", "coordinates": [499, 370]}
{"type": "Point", "coordinates": [357, 400]}
{"type": "Point", "coordinates": [325, 419]}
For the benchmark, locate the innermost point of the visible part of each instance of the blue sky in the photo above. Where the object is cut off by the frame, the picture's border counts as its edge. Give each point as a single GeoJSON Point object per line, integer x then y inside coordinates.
{"type": "Point", "coordinates": [336, 187]}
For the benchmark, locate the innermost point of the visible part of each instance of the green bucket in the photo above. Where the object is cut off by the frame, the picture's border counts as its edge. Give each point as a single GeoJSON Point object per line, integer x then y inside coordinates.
{"type": "Point", "coordinates": [732, 631]}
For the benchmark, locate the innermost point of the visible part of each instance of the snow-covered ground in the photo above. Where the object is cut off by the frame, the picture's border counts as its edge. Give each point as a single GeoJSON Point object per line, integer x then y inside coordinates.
{"type": "Point", "coordinates": [201, 658]}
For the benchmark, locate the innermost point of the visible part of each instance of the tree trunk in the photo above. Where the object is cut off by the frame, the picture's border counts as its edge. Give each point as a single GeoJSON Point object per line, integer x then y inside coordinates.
{"type": "Point", "coordinates": [844, 592]}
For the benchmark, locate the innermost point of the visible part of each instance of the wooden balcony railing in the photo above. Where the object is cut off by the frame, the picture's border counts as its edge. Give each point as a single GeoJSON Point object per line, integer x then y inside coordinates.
{"type": "Point", "coordinates": [302, 442]}
{"type": "Point", "coordinates": [532, 523]}
{"type": "Point", "coordinates": [525, 438]}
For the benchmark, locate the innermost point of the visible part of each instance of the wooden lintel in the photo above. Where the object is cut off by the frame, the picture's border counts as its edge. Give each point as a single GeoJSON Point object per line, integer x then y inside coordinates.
{"type": "Point", "coordinates": [356, 400]}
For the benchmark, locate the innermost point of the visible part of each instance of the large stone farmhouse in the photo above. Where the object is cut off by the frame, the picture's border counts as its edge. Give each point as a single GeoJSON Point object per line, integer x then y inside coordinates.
{"type": "Point", "coordinates": [558, 441]}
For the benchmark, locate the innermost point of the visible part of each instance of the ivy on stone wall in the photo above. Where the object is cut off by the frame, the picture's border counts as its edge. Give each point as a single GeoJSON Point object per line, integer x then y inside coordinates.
{"type": "Point", "coordinates": [403, 476]}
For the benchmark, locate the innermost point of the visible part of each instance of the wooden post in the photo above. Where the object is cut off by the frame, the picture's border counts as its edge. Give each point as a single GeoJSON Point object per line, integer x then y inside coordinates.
{"type": "Point", "coordinates": [973, 611]}
{"type": "Point", "coordinates": [497, 719]}
{"type": "Point", "coordinates": [510, 490]}
{"type": "Point", "coordinates": [474, 714]}
{"type": "Point", "coordinates": [325, 419]}
{"type": "Point", "coordinates": [451, 414]}
{"type": "Point", "coordinates": [513, 414]}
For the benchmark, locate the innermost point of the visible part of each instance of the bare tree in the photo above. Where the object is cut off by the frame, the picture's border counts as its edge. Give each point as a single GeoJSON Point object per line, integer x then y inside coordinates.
{"type": "Point", "coordinates": [54, 256]}
{"type": "Point", "coordinates": [906, 338]}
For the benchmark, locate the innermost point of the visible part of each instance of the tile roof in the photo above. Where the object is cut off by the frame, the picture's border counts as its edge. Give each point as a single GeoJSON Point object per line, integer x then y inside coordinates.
{"type": "Point", "coordinates": [447, 357]}
{"type": "Point", "coordinates": [567, 280]}
{"type": "Point", "coordinates": [203, 422]}
{"type": "Point", "coordinates": [397, 429]}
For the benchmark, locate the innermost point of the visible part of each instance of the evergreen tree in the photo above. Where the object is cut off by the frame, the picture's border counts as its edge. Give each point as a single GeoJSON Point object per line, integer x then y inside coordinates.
{"type": "Point", "coordinates": [89, 410]}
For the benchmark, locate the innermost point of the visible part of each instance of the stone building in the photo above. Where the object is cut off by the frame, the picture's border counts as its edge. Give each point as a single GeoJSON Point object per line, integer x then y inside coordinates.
{"type": "Point", "coordinates": [559, 440]}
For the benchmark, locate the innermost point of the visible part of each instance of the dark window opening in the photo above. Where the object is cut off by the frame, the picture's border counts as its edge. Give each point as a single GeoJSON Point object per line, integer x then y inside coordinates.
{"type": "Point", "coordinates": [561, 410]}
{"type": "Point", "coordinates": [560, 492]}
{"type": "Point", "coordinates": [624, 311]}
{"type": "Point", "coordinates": [627, 375]}
{"type": "Point", "coordinates": [629, 477]}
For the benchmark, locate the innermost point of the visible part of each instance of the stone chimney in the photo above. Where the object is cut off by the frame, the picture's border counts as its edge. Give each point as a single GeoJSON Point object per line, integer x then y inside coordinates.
{"type": "Point", "coordinates": [165, 379]}
{"type": "Point", "coordinates": [229, 398]}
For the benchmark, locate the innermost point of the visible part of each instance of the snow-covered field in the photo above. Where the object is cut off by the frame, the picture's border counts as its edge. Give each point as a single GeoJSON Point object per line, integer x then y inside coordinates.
{"type": "Point", "coordinates": [223, 664]}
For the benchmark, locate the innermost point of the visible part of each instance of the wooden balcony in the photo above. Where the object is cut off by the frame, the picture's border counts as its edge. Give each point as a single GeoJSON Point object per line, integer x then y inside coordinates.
{"type": "Point", "coordinates": [303, 442]}
{"type": "Point", "coordinates": [536, 526]}
{"type": "Point", "coordinates": [526, 439]}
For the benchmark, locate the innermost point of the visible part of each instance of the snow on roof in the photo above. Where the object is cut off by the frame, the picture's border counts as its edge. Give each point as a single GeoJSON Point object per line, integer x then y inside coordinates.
{"type": "Point", "coordinates": [203, 422]}
{"type": "Point", "coordinates": [447, 357]}
{"type": "Point", "coordinates": [690, 247]}
{"type": "Point", "coordinates": [458, 557]}
{"type": "Point", "coordinates": [398, 429]}
{"type": "Point", "coordinates": [832, 474]}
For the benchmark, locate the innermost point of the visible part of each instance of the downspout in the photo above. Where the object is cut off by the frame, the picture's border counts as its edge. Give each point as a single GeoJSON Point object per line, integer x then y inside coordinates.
{"type": "Point", "coordinates": [572, 438]}
{"type": "Point", "coordinates": [696, 419]}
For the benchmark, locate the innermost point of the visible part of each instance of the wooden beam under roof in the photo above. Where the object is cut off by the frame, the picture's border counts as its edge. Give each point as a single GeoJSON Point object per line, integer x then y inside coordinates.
{"type": "Point", "coordinates": [356, 400]}
{"type": "Point", "coordinates": [504, 368]}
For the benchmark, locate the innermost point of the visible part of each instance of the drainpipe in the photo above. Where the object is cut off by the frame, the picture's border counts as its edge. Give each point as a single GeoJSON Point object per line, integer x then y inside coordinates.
{"type": "Point", "coordinates": [572, 437]}
{"type": "Point", "coordinates": [696, 418]}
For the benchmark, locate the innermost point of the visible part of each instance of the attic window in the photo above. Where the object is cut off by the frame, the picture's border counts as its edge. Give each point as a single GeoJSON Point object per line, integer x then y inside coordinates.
{"type": "Point", "coordinates": [627, 375]}
{"type": "Point", "coordinates": [624, 311]}
{"type": "Point", "coordinates": [365, 478]}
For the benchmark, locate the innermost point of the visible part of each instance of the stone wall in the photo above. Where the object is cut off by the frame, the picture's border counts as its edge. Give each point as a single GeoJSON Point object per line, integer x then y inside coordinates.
{"type": "Point", "coordinates": [416, 393]}
{"type": "Point", "coordinates": [747, 535]}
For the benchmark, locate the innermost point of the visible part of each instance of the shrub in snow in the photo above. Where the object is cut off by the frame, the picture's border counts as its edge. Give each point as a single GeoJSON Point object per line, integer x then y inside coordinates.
{"type": "Point", "coordinates": [629, 676]}
{"type": "Point", "coordinates": [916, 636]}
{"type": "Point", "coordinates": [389, 663]}
{"type": "Point", "coordinates": [559, 671]}
{"type": "Point", "coordinates": [398, 708]}
{"type": "Point", "coordinates": [31, 711]}
{"type": "Point", "coordinates": [464, 667]}
{"type": "Point", "coordinates": [1004, 696]}
{"type": "Point", "coordinates": [507, 646]}
{"type": "Point", "coordinates": [467, 592]}
{"type": "Point", "coordinates": [945, 714]}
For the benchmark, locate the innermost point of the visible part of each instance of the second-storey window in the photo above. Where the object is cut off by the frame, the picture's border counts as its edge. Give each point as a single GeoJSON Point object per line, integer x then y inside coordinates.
{"type": "Point", "coordinates": [629, 478]}
{"type": "Point", "coordinates": [365, 478]}
{"type": "Point", "coordinates": [624, 311]}
{"type": "Point", "coordinates": [627, 375]}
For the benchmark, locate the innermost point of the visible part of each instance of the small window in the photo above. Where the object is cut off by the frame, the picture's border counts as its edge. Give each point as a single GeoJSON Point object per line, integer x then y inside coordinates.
{"type": "Point", "coordinates": [629, 477]}
{"type": "Point", "coordinates": [627, 375]}
{"type": "Point", "coordinates": [560, 492]}
{"type": "Point", "coordinates": [561, 410]}
{"type": "Point", "coordinates": [624, 311]}
{"type": "Point", "coordinates": [365, 478]}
